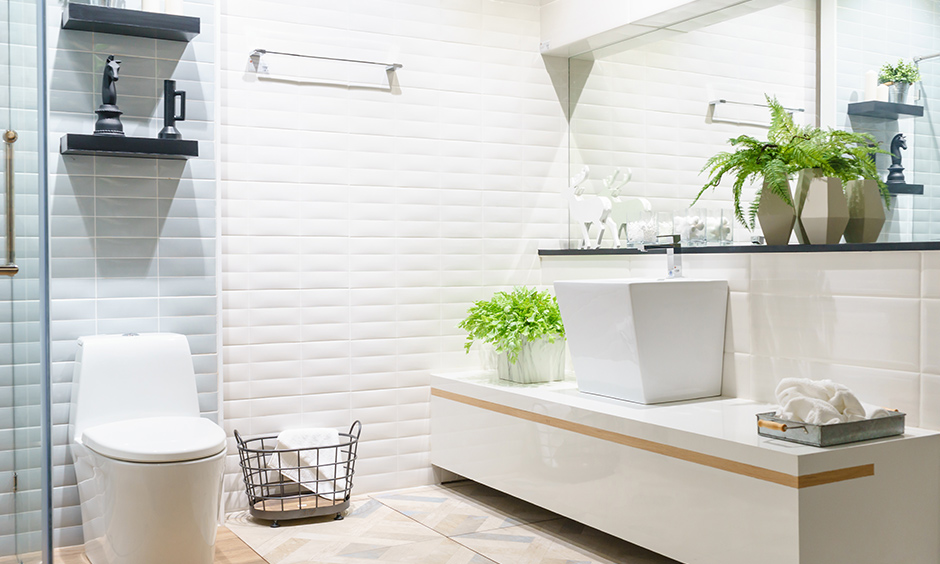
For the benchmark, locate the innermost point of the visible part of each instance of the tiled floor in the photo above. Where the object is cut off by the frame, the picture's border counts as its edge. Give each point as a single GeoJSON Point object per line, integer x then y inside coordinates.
{"type": "Point", "coordinates": [229, 549]}
{"type": "Point", "coordinates": [460, 523]}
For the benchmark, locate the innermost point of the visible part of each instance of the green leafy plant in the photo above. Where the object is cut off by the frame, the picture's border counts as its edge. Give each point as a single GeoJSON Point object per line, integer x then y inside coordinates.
{"type": "Point", "coordinates": [789, 148]}
{"type": "Point", "coordinates": [901, 72]}
{"type": "Point", "coordinates": [850, 156]}
{"type": "Point", "coordinates": [510, 319]}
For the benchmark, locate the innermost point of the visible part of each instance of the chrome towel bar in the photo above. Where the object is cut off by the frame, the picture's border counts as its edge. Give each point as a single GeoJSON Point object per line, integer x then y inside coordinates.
{"type": "Point", "coordinates": [388, 66]}
{"type": "Point", "coordinates": [712, 106]}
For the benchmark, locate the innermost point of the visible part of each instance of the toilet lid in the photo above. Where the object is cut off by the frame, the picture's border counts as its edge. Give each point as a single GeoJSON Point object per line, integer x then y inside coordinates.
{"type": "Point", "coordinates": [156, 439]}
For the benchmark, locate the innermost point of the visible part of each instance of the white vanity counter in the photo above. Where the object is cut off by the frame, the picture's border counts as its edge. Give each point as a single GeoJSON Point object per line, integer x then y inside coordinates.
{"type": "Point", "coordinates": [691, 480]}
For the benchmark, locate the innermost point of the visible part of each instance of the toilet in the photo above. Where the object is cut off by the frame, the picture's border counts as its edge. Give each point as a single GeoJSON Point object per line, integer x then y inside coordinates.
{"type": "Point", "coordinates": [149, 468]}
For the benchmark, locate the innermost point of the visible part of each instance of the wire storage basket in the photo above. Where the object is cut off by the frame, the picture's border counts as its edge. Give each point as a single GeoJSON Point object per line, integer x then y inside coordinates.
{"type": "Point", "coordinates": [295, 483]}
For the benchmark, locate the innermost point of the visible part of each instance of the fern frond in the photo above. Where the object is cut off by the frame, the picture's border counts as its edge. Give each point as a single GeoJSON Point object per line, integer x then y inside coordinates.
{"type": "Point", "coordinates": [752, 212]}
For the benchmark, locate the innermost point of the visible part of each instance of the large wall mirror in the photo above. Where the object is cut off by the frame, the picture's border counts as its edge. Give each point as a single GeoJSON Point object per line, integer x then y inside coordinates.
{"type": "Point", "coordinates": [657, 108]}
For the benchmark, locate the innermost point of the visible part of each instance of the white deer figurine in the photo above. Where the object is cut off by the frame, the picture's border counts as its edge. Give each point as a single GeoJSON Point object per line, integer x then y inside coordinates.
{"type": "Point", "coordinates": [621, 208]}
{"type": "Point", "coordinates": [588, 211]}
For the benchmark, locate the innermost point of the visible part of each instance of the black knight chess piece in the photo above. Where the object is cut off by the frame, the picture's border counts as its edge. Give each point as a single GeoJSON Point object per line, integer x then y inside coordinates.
{"type": "Point", "coordinates": [109, 116]}
{"type": "Point", "coordinates": [896, 171]}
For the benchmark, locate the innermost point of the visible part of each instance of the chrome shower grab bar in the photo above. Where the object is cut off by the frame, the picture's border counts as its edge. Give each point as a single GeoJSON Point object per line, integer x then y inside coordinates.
{"type": "Point", "coordinates": [10, 268]}
{"type": "Point", "coordinates": [925, 57]}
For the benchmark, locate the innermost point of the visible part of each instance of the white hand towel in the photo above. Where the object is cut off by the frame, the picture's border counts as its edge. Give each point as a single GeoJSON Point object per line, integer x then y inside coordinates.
{"type": "Point", "coordinates": [324, 464]}
{"type": "Point", "coordinates": [846, 403]}
{"type": "Point", "coordinates": [821, 402]}
{"type": "Point", "coordinates": [875, 412]}
{"type": "Point", "coordinates": [810, 410]}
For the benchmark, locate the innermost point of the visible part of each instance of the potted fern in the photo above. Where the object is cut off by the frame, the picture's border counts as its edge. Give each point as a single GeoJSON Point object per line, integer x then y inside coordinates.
{"type": "Point", "coordinates": [789, 148]}
{"type": "Point", "coordinates": [525, 328]}
{"type": "Point", "coordinates": [899, 78]}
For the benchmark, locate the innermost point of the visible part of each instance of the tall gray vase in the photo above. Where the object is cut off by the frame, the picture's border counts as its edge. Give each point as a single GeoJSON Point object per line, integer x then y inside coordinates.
{"type": "Point", "coordinates": [776, 217]}
{"type": "Point", "coordinates": [822, 211]}
{"type": "Point", "coordinates": [866, 211]}
{"type": "Point", "coordinates": [803, 181]}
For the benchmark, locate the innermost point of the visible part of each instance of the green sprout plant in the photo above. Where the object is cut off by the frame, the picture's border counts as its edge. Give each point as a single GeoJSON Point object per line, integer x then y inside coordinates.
{"type": "Point", "coordinates": [510, 319]}
{"type": "Point", "coordinates": [788, 149]}
{"type": "Point", "coordinates": [901, 72]}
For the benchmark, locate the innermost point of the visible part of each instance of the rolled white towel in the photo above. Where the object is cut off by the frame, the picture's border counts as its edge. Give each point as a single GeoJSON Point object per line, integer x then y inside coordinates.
{"type": "Point", "coordinates": [311, 465]}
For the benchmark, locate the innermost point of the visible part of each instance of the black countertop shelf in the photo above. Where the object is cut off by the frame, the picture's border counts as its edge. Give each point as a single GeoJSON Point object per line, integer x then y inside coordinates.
{"type": "Point", "coordinates": [884, 110]}
{"type": "Point", "coordinates": [85, 17]}
{"type": "Point", "coordinates": [905, 188]}
{"type": "Point", "coordinates": [138, 147]}
{"type": "Point", "coordinates": [731, 249]}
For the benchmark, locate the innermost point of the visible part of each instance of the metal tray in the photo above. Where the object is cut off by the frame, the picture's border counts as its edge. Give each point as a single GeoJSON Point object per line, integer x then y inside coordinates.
{"type": "Point", "coordinates": [829, 435]}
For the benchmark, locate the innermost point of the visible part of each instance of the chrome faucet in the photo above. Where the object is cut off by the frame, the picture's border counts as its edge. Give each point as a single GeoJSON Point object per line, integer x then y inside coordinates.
{"type": "Point", "coordinates": [673, 254]}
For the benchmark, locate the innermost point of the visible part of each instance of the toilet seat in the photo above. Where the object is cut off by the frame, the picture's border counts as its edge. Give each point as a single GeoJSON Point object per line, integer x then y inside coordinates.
{"type": "Point", "coordinates": [156, 439]}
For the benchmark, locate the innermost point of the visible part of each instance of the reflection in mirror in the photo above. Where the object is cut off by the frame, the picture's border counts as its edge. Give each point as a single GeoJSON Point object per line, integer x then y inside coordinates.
{"type": "Point", "coordinates": [868, 35]}
{"type": "Point", "coordinates": [645, 107]}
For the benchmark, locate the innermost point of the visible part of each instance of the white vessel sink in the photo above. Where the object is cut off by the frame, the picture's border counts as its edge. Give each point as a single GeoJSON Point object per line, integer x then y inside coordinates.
{"type": "Point", "coordinates": [645, 341]}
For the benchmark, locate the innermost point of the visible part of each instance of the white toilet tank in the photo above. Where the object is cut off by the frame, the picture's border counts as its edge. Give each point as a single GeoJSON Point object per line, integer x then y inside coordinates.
{"type": "Point", "coordinates": [132, 376]}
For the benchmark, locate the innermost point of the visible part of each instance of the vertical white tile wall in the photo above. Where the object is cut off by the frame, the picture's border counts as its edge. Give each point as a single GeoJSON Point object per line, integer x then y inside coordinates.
{"type": "Point", "coordinates": [359, 225]}
{"type": "Point", "coordinates": [133, 240]}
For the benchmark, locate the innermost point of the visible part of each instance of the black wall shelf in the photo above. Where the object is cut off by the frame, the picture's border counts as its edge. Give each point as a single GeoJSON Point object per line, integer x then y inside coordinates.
{"type": "Point", "coordinates": [85, 17]}
{"type": "Point", "coordinates": [734, 249]}
{"type": "Point", "coordinates": [884, 110]}
{"type": "Point", "coordinates": [905, 188]}
{"type": "Point", "coordinates": [139, 147]}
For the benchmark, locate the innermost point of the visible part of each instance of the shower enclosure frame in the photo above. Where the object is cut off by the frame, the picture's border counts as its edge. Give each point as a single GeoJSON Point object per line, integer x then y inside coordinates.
{"type": "Point", "coordinates": [44, 278]}
{"type": "Point", "coordinates": [29, 362]}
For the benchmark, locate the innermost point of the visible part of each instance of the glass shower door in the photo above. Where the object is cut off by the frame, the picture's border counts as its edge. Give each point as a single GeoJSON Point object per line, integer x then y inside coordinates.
{"type": "Point", "coordinates": [24, 445]}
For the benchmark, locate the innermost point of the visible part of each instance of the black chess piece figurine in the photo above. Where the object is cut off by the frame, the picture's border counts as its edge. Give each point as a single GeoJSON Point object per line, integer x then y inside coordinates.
{"type": "Point", "coordinates": [109, 116]}
{"type": "Point", "coordinates": [896, 171]}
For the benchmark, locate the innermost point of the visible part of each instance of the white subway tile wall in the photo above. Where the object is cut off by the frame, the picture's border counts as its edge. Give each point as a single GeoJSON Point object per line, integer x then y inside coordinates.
{"type": "Point", "coordinates": [862, 319]}
{"type": "Point", "coordinates": [360, 224]}
{"type": "Point", "coordinates": [133, 240]}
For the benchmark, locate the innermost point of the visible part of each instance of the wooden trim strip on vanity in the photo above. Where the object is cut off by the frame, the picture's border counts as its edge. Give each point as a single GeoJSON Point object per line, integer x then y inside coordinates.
{"type": "Point", "coordinates": [692, 456]}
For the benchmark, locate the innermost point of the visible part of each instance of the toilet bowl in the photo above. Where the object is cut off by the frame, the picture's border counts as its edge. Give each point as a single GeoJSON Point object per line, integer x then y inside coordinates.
{"type": "Point", "coordinates": [149, 468]}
